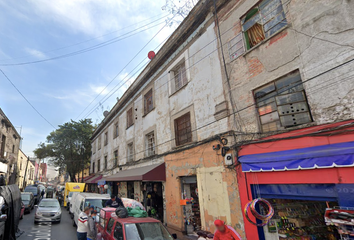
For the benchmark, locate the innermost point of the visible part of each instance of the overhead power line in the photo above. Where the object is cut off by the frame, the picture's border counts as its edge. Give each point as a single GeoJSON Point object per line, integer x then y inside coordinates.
{"type": "Point", "coordinates": [26, 99]}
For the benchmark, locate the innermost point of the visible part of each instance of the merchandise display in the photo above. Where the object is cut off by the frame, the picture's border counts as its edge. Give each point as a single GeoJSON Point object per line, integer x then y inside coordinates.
{"type": "Point", "coordinates": [300, 220]}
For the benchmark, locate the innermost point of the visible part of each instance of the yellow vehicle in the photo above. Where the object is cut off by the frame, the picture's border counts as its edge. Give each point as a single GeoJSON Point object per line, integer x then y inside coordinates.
{"type": "Point", "coordinates": [71, 187]}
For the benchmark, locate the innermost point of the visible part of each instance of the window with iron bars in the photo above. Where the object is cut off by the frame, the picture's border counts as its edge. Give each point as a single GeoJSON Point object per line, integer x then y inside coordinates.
{"type": "Point", "coordinates": [183, 129]}
{"type": "Point", "coordinates": [282, 104]}
{"type": "Point", "coordinates": [150, 144]}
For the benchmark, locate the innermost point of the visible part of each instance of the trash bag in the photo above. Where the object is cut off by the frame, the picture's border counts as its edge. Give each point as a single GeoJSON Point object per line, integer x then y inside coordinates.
{"type": "Point", "coordinates": [136, 212]}
{"type": "Point", "coordinates": [122, 212]}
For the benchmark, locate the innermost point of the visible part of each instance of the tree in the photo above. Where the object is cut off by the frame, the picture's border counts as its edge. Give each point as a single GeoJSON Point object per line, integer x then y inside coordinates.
{"type": "Point", "coordinates": [69, 147]}
{"type": "Point", "coordinates": [179, 9]}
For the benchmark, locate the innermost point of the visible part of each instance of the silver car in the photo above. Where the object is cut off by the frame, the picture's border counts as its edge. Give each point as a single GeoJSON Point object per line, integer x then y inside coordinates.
{"type": "Point", "coordinates": [48, 210]}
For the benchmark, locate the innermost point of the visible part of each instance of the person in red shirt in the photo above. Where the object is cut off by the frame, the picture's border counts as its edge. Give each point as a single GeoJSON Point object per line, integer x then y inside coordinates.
{"type": "Point", "coordinates": [224, 232]}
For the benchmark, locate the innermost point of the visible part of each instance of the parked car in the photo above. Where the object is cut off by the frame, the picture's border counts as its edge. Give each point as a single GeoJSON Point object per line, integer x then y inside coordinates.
{"type": "Point", "coordinates": [48, 210]}
{"type": "Point", "coordinates": [132, 228]}
{"type": "Point", "coordinates": [36, 192]}
{"type": "Point", "coordinates": [83, 200]}
{"type": "Point", "coordinates": [28, 201]}
{"type": "Point", "coordinates": [22, 210]}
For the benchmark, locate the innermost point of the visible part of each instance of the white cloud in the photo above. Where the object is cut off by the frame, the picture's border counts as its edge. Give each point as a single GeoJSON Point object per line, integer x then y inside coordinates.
{"type": "Point", "coordinates": [35, 53]}
{"type": "Point", "coordinates": [95, 17]}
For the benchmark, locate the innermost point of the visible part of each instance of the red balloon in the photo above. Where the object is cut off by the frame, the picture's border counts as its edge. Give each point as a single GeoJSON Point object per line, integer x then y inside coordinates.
{"type": "Point", "coordinates": [151, 55]}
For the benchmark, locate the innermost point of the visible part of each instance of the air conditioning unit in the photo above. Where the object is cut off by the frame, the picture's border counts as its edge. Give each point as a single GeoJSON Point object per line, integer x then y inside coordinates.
{"type": "Point", "coordinates": [228, 159]}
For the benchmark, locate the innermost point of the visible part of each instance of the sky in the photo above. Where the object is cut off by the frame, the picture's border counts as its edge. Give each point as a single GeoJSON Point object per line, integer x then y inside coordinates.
{"type": "Point", "coordinates": [85, 40]}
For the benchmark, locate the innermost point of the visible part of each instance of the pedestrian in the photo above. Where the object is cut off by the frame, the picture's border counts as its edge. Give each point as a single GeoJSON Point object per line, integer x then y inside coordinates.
{"type": "Point", "coordinates": [92, 228]}
{"type": "Point", "coordinates": [2, 180]}
{"type": "Point", "coordinates": [82, 224]}
{"type": "Point", "coordinates": [224, 232]}
{"type": "Point", "coordinates": [42, 193]}
{"type": "Point", "coordinates": [114, 202]}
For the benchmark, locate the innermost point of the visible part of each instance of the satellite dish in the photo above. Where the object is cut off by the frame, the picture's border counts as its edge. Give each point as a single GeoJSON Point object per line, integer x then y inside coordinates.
{"type": "Point", "coordinates": [151, 55]}
{"type": "Point", "coordinates": [105, 113]}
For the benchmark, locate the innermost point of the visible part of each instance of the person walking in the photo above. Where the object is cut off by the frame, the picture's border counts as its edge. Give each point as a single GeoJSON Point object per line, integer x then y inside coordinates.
{"type": "Point", "coordinates": [82, 224]}
{"type": "Point", "coordinates": [92, 228]}
{"type": "Point", "coordinates": [42, 194]}
{"type": "Point", "coordinates": [2, 180]}
{"type": "Point", "coordinates": [114, 202]}
{"type": "Point", "coordinates": [224, 232]}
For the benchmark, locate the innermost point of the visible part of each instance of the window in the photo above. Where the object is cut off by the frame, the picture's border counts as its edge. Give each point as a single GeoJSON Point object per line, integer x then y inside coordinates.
{"type": "Point", "coordinates": [130, 152]}
{"type": "Point", "coordinates": [116, 158]}
{"type": "Point", "coordinates": [116, 130]}
{"type": "Point", "coordinates": [183, 129]}
{"type": "Point", "coordinates": [110, 225]}
{"type": "Point", "coordinates": [3, 144]}
{"type": "Point", "coordinates": [13, 148]}
{"type": "Point", "coordinates": [180, 76]}
{"type": "Point", "coordinates": [118, 231]}
{"type": "Point", "coordinates": [98, 165]}
{"type": "Point", "coordinates": [105, 138]}
{"type": "Point", "coordinates": [148, 102]}
{"type": "Point", "coordinates": [263, 21]}
{"type": "Point", "coordinates": [93, 168]}
{"type": "Point", "coordinates": [94, 148]}
{"type": "Point", "coordinates": [150, 144]}
{"type": "Point", "coordinates": [236, 46]}
{"type": "Point", "coordinates": [105, 162]}
{"type": "Point", "coordinates": [99, 142]}
{"type": "Point", "coordinates": [130, 120]}
{"type": "Point", "coordinates": [282, 103]}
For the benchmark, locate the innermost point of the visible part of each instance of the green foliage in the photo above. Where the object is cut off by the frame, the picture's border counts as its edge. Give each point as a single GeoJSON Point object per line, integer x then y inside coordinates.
{"type": "Point", "coordinates": [69, 146]}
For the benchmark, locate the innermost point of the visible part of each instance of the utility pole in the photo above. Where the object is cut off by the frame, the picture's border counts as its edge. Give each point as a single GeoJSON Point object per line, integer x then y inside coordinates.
{"type": "Point", "coordinates": [24, 178]}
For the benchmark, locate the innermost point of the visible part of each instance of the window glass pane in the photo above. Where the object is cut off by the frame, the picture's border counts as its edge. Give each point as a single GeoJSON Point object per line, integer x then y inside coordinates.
{"type": "Point", "coordinates": [261, 92]}
{"type": "Point", "coordinates": [267, 108]}
{"type": "Point", "coordinates": [290, 81]}
{"type": "Point", "coordinates": [293, 108]}
{"type": "Point", "coordinates": [270, 26]}
{"type": "Point", "coordinates": [290, 98]}
{"type": "Point", "coordinates": [283, 23]}
{"type": "Point", "coordinates": [270, 117]}
{"type": "Point", "coordinates": [269, 9]}
{"type": "Point", "coordinates": [266, 100]}
{"type": "Point", "coordinates": [295, 119]}
{"type": "Point", "coordinates": [252, 21]}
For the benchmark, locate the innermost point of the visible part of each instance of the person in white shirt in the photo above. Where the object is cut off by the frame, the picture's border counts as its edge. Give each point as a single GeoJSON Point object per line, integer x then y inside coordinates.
{"type": "Point", "coordinates": [82, 224]}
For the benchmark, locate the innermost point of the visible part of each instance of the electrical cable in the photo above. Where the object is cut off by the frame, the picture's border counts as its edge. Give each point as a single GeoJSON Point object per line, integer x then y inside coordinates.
{"type": "Point", "coordinates": [26, 99]}
{"type": "Point", "coordinates": [87, 40]}
{"type": "Point", "coordinates": [94, 47]}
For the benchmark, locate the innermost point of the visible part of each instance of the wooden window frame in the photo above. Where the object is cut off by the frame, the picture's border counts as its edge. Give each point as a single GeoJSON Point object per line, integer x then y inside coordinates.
{"type": "Point", "coordinates": [178, 122]}
{"type": "Point", "coordinates": [273, 114]}
{"type": "Point", "coordinates": [148, 101]}
{"type": "Point", "coordinates": [180, 78]}
{"type": "Point", "coordinates": [130, 117]}
{"type": "Point", "coordinates": [115, 163]}
{"type": "Point", "coordinates": [257, 20]}
{"type": "Point", "coordinates": [150, 147]}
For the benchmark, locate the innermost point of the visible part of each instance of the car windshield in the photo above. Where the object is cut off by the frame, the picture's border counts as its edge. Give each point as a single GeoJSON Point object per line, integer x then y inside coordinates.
{"type": "Point", "coordinates": [71, 194]}
{"type": "Point", "coordinates": [32, 190]}
{"type": "Point", "coordinates": [25, 197]}
{"type": "Point", "coordinates": [147, 231]}
{"type": "Point", "coordinates": [97, 203]}
{"type": "Point", "coordinates": [49, 204]}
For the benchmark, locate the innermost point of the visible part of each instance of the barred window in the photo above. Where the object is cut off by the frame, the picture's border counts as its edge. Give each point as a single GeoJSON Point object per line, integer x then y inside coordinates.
{"type": "Point", "coordinates": [183, 129]}
{"type": "Point", "coordinates": [180, 76]}
{"type": "Point", "coordinates": [282, 103]}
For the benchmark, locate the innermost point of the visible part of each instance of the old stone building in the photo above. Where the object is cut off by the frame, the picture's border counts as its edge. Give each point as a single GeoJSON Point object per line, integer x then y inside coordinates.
{"type": "Point", "coordinates": [9, 148]}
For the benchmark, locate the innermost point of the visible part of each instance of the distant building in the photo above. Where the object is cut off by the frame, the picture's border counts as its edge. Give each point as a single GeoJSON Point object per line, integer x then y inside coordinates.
{"type": "Point", "coordinates": [9, 148]}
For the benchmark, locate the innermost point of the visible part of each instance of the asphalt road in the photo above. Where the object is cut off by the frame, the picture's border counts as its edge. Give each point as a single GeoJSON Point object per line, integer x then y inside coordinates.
{"type": "Point", "coordinates": [49, 231]}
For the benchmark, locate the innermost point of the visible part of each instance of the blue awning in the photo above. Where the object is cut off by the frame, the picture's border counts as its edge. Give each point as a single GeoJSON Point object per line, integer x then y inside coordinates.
{"type": "Point", "coordinates": [326, 156]}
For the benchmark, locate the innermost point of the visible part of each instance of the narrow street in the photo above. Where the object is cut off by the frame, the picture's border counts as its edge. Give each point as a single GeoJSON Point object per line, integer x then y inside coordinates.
{"type": "Point", "coordinates": [53, 231]}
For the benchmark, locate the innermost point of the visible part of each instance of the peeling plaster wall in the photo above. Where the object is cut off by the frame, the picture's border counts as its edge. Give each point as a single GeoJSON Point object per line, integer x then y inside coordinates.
{"type": "Point", "coordinates": [217, 188]}
{"type": "Point", "coordinates": [319, 36]}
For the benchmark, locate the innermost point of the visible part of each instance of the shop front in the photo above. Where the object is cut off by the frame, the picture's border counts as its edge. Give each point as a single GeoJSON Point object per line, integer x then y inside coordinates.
{"type": "Point", "coordinates": [301, 173]}
{"type": "Point", "coordinates": [144, 184]}
{"type": "Point", "coordinates": [91, 183]}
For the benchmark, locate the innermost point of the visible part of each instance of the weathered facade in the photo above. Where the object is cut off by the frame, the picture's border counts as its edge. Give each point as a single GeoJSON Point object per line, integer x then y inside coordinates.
{"type": "Point", "coordinates": [9, 148]}
{"type": "Point", "coordinates": [174, 113]}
